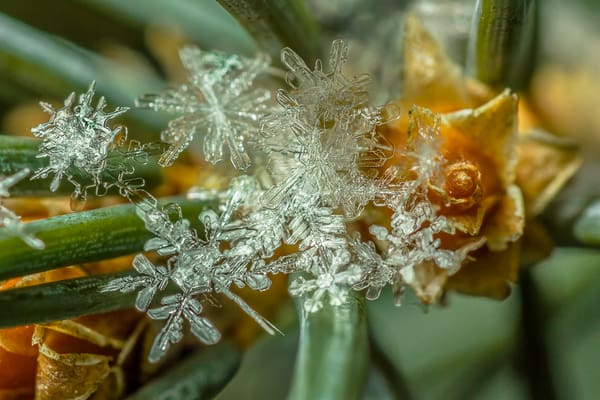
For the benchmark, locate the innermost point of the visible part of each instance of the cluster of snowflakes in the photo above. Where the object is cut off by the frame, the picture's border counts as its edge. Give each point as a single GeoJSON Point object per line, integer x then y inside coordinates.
{"type": "Point", "coordinates": [313, 160]}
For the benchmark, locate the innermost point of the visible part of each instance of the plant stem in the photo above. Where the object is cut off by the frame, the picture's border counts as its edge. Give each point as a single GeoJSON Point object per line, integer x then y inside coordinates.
{"type": "Point", "coordinates": [82, 237]}
{"type": "Point", "coordinates": [332, 358]}
{"type": "Point", "coordinates": [278, 23]}
{"type": "Point", "coordinates": [534, 355]}
{"type": "Point", "coordinates": [55, 300]}
{"type": "Point", "coordinates": [501, 50]}
{"type": "Point", "coordinates": [200, 375]}
{"type": "Point", "coordinates": [18, 153]}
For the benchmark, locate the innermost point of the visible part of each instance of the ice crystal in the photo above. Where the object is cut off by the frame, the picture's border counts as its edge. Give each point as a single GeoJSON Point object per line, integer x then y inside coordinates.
{"type": "Point", "coordinates": [226, 255]}
{"type": "Point", "coordinates": [77, 139]}
{"type": "Point", "coordinates": [333, 276]}
{"type": "Point", "coordinates": [80, 146]}
{"type": "Point", "coordinates": [322, 95]}
{"type": "Point", "coordinates": [151, 278]}
{"type": "Point", "coordinates": [321, 164]}
{"type": "Point", "coordinates": [416, 225]}
{"type": "Point", "coordinates": [218, 102]}
{"type": "Point", "coordinates": [9, 221]}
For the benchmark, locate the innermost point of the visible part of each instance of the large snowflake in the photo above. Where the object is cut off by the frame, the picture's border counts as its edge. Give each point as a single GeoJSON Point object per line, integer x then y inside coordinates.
{"type": "Point", "coordinates": [218, 103]}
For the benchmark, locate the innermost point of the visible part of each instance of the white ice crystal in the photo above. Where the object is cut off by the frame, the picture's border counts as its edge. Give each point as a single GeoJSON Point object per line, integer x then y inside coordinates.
{"type": "Point", "coordinates": [77, 141]}
{"type": "Point", "coordinates": [333, 274]}
{"type": "Point", "coordinates": [323, 95]}
{"type": "Point", "coordinates": [319, 167]}
{"type": "Point", "coordinates": [9, 221]}
{"type": "Point", "coordinates": [197, 265]}
{"type": "Point", "coordinates": [218, 103]}
{"type": "Point", "coordinates": [79, 145]}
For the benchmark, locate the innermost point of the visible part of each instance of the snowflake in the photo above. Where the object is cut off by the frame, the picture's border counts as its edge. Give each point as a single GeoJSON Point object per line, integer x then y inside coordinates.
{"type": "Point", "coordinates": [217, 102]}
{"type": "Point", "coordinates": [320, 168]}
{"type": "Point", "coordinates": [11, 222]}
{"type": "Point", "coordinates": [334, 276]}
{"type": "Point", "coordinates": [80, 145]}
{"type": "Point", "coordinates": [77, 140]}
{"type": "Point", "coordinates": [323, 96]}
{"type": "Point", "coordinates": [226, 255]}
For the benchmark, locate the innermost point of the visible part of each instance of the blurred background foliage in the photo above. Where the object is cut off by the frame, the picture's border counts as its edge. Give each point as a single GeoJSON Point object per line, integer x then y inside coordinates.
{"type": "Point", "coordinates": [546, 334]}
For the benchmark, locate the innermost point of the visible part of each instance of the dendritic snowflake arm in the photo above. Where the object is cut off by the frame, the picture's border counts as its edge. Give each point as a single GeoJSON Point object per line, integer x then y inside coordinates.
{"type": "Point", "coordinates": [151, 278]}
{"type": "Point", "coordinates": [175, 309]}
{"type": "Point", "coordinates": [324, 95]}
{"type": "Point", "coordinates": [217, 103]}
{"type": "Point", "coordinates": [376, 273]}
{"type": "Point", "coordinates": [9, 221]}
{"type": "Point", "coordinates": [230, 252]}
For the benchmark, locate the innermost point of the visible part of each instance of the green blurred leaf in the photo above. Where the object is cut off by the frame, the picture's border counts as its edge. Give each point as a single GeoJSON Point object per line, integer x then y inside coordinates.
{"type": "Point", "coordinates": [198, 376]}
{"type": "Point", "coordinates": [82, 237]}
{"type": "Point", "coordinates": [275, 24]}
{"type": "Point", "coordinates": [332, 360]}
{"type": "Point", "coordinates": [587, 227]}
{"type": "Point", "coordinates": [49, 65]}
{"type": "Point", "coordinates": [438, 349]}
{"type": "Point", "coordinates": [204, 21]}
{"type": "Point", "coordinates": [501, 49]}
{"type": "Point", "coordinates": [65, 299]}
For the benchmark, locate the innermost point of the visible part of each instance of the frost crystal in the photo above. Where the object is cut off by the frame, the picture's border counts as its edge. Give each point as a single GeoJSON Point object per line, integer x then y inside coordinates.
{"type": "Point", "coordinates": [80, 146]}
{"type": "Point", "coordinates": [319, 168]}
{"type": "Point", "coordinates": [218, 102]}
{"type": "Point", "coordinates": [9, 221]}
{"type": "Point", "coordinates": [323, 95]}
{"type": "Point", "coordinates": [334, 276]}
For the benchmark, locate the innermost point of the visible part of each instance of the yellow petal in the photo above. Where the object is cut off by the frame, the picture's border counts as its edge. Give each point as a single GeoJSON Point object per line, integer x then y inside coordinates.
{"type": "Point", "coordinates": [507, 221]}
{"type": "Point", "coordinates": [490, 274]}
{"type": "Point", "coordinates": [493, 129]}
{"type": "Point", "coordinates": [430, 78]}
{"type": "Point", "coordinates": [428, 282]}
{"type": "Point", "coordinates": [545, 164]}
{"type": "Point", "coordinates": [67, 376]}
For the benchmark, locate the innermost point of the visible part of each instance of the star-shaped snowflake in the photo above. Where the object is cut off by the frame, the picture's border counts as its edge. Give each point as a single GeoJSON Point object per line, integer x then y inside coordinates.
{"type": "Point", "coordinates": [334, 277]}
{"type": "Point", "coordinates": [217, 103]}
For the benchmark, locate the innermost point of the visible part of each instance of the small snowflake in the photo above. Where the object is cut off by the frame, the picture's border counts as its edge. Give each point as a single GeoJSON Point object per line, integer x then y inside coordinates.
{"type": "Point", "coordinates": [11, 222]}
{"type": "Point", "coordinates": [217, 102]}
{"type": "Point", "coordinates": [77, 141]}
{"type": "Point", "coordinates": [226, 255]}
{"type": "Point", "coordinates": [334, 277]}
